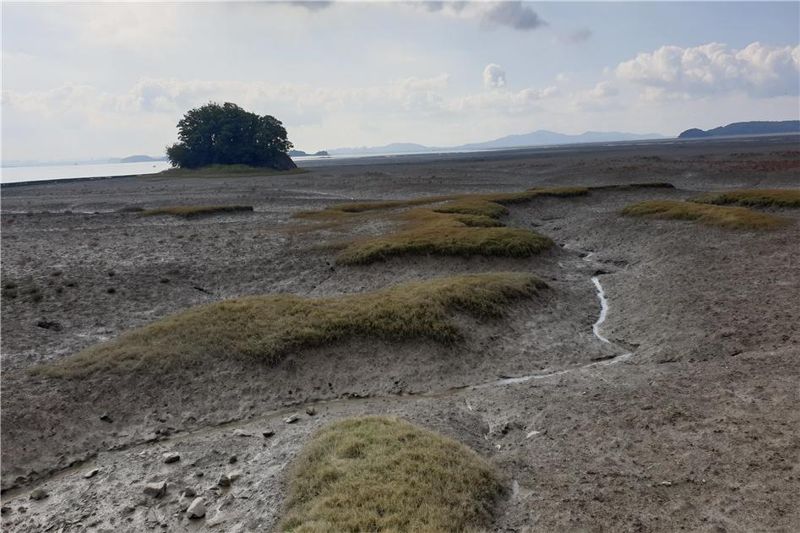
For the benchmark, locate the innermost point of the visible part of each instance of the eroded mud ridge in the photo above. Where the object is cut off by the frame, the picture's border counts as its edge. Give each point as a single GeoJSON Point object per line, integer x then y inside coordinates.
{"type": "Point", "coordinates": [650, 386]}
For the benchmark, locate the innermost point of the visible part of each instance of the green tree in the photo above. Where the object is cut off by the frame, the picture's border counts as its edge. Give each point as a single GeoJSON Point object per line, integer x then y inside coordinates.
{"type": "Point", "coordinates": [226, 134]}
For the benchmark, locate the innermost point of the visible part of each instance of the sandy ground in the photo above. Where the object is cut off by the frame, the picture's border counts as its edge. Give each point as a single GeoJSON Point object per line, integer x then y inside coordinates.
{"type": "Point", "coordinates": [696, 430]}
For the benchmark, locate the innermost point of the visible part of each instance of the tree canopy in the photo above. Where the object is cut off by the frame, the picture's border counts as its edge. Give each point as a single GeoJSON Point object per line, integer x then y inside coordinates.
{"type": "Point", "coordinates": [226, 134]}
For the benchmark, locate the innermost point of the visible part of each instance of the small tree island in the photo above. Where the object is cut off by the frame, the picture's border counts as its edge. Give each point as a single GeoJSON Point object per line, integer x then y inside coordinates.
{"type": "Point", "coordinates": [226, 134]}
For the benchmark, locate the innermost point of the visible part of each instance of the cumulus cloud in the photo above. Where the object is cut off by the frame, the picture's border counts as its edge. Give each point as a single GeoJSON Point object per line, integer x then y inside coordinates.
{"type": "Point", "coordinates": [600, 97]}
{"type": "Point", "coordinates": [494, 76]}
{"type": "Point", "coordinates": [758, 70]}
{"type": "Point", "coordinates": [513, 14]}
{"type": "Point", "coordinates": [312, 5]}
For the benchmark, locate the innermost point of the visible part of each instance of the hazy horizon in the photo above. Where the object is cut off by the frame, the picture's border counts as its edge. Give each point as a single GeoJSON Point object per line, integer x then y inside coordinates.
{"type": "Point", "coordinates": [104, 80]}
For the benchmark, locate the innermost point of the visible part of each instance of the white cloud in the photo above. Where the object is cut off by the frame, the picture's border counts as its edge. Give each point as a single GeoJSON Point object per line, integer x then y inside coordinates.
{"type": "Point", "coordinates": [600, 97]}
{"type": "Point", "coordinates": [758, 70]}
{"type": "Point", "coordinates": [494, 76]}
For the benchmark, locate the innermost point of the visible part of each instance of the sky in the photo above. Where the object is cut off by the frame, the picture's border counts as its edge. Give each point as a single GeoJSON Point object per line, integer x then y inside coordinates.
{"type": "Point", "coordinates": [113, 79]}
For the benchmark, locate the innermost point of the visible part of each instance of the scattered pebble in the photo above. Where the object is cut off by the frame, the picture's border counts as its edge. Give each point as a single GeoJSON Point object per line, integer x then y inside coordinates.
{"type": "Point", "coordinates": [197, 509]}
{"type": "Point", "coordinates": [532, 434]}
{"type": "Point", "coordinates": [268, 433]}
{"type": "Point", "coordinates": [241, 433]}
{"type": "Point", "coordinates": [156, 490]}
{"type": "Point", "coordinates": [310, 411]}
{"type": "Point", "coordinates": [232, 459]}
{"type": "Point", "coordinates": [189, 492]}
{"type": "Point", "coordinates": [39, 494]}
{"type": "Point", "coordinates": [171, 457]}
{"type": "Point", "coordinates": [291, 419]}
{"type": "Point", "coordinates": [105, 418]}
{"type": "Point", "coordinates": [91, 473]}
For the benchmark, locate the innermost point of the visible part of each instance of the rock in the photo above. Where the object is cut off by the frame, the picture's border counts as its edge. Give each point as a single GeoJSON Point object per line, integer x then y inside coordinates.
{"type": "Point", "coordinates": [156, 490]}
{"type": "Point", "coordinates": [268, 433]}
{"type": "Point", "coordinates": [5, 509]}
{"type": "Point", "coordinates": [233, 475]}
{"type": "Point", "coordinates": [232, 459]}
{"type": "Point", "coordinates": [224, 481]}
{"type": "Point", "coordinates": [171, 457]}
{"type": "Point", "coordinates": [91, 473]}
{"type": "Point", "coordinates": [310, 411]}
{"type": "Point", "coordinates": [189, 492]}
{"type": "Point", "coordinates": [39, 494]}
{"type": "Point", "coordinates": [291, 419]}
{"type": "Point", "coordinates": [49, 324]}
{"type": "Point", "coordinates": [105, 418]}
{"type": "Point", "coordinates": [197, 509]}
{"type": "Point", "coordinates": [241, 433]}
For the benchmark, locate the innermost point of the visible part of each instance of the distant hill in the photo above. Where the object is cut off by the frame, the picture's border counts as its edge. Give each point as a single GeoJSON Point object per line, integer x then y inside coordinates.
{"type": "Point", "coordinates": [744, 128]}
{"type": "Point", "coordinates": [536, 138]}
{"type": "Point", "coordinates": [140, 159]}
{"type": "Point", "coordinates": [301, 153]}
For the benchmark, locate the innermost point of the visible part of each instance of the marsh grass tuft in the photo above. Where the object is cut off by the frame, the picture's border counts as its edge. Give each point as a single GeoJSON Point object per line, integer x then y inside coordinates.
{"type": "Point", "coordinates": [385, 474]}
{"type": "Point", "coordinates": [713, 215]}
{"type": "Point", "coordinates": [265, 328]}
{"type": "Point", "coordinates": [753, 198]}
{"type": "Point", "coordinates": [188, 211]}
{"type": "Point", "coordinates": [457, 225]}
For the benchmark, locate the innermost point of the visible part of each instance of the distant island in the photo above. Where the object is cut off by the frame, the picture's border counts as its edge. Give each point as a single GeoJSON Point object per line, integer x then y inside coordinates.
{"type": "Point", "coordinates": [744, 128]}
{"type": "Point", "coordinates": [140, 159]}
{"type": "Point", "coordinates": [300, 153]}
{"type": "Point", "coordinates": [536, 138]}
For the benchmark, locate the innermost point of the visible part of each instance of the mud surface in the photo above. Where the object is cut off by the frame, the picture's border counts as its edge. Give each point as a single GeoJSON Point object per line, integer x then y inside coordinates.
{"type": "Point", "coordinates": [695, 429]}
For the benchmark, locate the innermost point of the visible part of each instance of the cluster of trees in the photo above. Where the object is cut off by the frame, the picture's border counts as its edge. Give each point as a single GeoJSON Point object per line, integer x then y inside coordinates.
{"type": "Point", "coordinates": [226, 134]}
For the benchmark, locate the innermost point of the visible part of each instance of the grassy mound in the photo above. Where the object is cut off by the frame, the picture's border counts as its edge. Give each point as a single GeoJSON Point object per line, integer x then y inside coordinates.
{"type": "Point", "coordinates": [713, 215]}
{"type": "Point", "coordinates": [188, 211]}
{"type": "Point", "coordinates": [264, 328]}
{"type": "Point", "coordinates": [459, 225]}
{"type": "Point", "coordinates": [754, 198]}
{"type": "Point", "coordinates": [384, 474]}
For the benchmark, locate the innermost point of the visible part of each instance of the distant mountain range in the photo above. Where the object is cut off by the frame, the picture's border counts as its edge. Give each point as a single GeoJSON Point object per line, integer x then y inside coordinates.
{"type": "Point", "coordinates": [744, 128]}
{"type": "Point", "coordinates": [137, 159]}
{"type": "Point", "coordinates": [536, 138]}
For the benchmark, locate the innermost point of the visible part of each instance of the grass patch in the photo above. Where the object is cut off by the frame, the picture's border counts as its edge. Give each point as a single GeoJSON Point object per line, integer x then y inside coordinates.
{"type": "Point", "coordinates": [713, 215]}
{"type": "Point", "coordinates": [384, 474]}
{"type": "Point", "coordinates": [265, 328]}
{"type": "Point", "coordinates": [188, 211]}
{"type": "Point", "coordinates": [460, 225]}
{"type": "Point", "coordinates": [753, 198]}
{"type": "Point", "coordinates": [634, 186]}
{"type": "Point", "coordinates": [222, 171]}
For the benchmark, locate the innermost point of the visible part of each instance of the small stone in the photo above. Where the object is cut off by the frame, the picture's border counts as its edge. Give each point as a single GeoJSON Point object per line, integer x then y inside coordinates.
{"type": "Point", "coordinates": [156, 490]}
{"type": "Point", "coordinates": [310, 411]}
{"type": "Point", "coordinates": [197, 509]}
{"type": "Point", "coordinates": [171, 457]}
{"type": "Point", "coordinates": [232, 459]}
{"type": "Point", "coordinates": [39, 494]}
{"type": "Point", "coordinates": [105, 418]}
{"type": "Point", "coordinates": [233, 475]}
{"type": "Point", "coordinates": [666, 483]}
{"type": "Point", "coordinates": [241, 433]}
{"type": "Point", "coordinates": [291, 419]}
{"type": "Point", "coordinates": [268, 433]}
{"type": "Point", "coordinates": [5, 509]}
{"type": "Point", "coordinates": [189, 492]}
{"type": "Point", "coordinates": [91, 473]}
{"type": "Point", "coordinates": [223, 481]}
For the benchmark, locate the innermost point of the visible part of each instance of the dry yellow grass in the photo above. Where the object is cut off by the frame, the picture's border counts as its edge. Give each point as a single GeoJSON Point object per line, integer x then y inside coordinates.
{"type": "Point", "coordinates": [753, 198]}
{"type": "Point", "coordinates": [265, 328]}
{"type": "Point", "coordinates": [460, 225]}
{"type": "Point", "coordinates": [384, 474]}
{"type": "Point", "coordinates": [713, 215]}
{"type": "Point", "coordinates": [188, 211]}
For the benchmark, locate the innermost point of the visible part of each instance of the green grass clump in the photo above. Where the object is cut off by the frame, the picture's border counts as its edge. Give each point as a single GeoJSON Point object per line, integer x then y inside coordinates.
{"type": "Point", "coordinates": [188, 211]}
{"type": "Point", "coordinates": [265, 328]}
{"type": "Point", "coordinates": [753, 198]}
{"type": "Point", "coordinates": [222, 171]}
{"type": "Point", "coordinates": [713, 215]}
{"type": "Point", "coordinates": [384, 474]}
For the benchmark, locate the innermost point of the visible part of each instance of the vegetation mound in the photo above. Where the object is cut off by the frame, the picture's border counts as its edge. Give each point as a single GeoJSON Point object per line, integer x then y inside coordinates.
{"type": "Point", "coordinates": [459, 225]}
{"type": "Point", "coordinates": [384, 474]}
{"type": "Point", "coordinates": [753, 198]}
{"type": "Point", "coordinates": [713, 215]}
{"type": "Point", "coordinates": [188, 211]}
{"type": "Point", "coordinates": [265, 328]}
